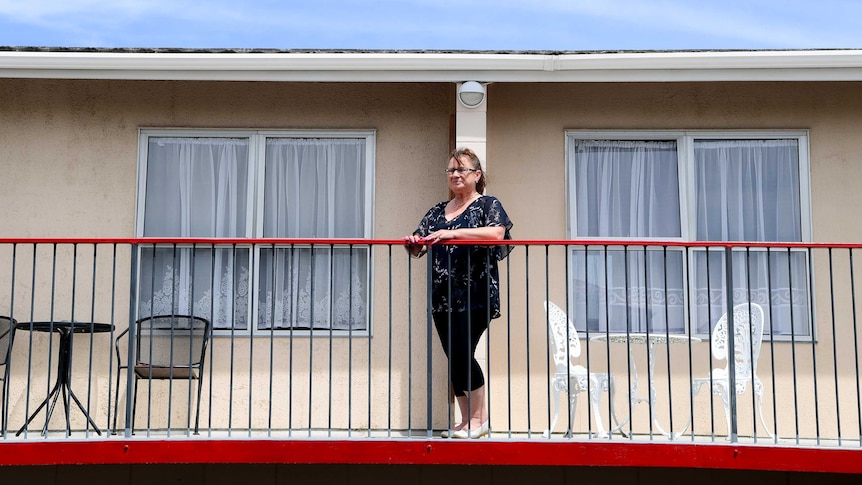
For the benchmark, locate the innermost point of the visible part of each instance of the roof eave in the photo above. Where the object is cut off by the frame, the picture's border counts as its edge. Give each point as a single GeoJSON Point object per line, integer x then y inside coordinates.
{"type": "Point", "coordinates": [676, 66]}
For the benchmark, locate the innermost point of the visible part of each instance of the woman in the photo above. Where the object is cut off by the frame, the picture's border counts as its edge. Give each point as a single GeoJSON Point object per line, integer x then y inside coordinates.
{"type": "Point", "coordinates": [465, 288]}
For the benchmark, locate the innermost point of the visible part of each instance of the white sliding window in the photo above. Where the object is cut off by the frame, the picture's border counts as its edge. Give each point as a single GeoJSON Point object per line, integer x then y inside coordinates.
{"type": "Point", "coordinates": [626, 189]}
{"type": "Point", "coordinates": [239, 184]}
{"type": "Point", "coordinates": [726, 186]}
{"type": "Point", "coordinates": [749, 190]}
{"type": "Point", "coordinates": [314, 188]}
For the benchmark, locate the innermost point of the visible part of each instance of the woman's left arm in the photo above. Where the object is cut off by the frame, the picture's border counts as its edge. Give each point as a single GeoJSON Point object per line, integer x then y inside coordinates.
{"type": "Point", "coordinates": [487, 233]}
{"type": "Point", "coordinates": [493, 225]}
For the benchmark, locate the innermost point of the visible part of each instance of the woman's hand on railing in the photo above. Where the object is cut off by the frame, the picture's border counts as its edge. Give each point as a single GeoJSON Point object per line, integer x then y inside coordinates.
{"type": "Point", "coordinates": [415, 245]}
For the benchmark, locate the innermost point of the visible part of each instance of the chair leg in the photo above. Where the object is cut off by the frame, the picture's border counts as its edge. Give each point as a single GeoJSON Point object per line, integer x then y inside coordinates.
{"type": "Point", "coordinates": [612, 392]}
{"type": "Point", "coordinates": [557, 392]}
{"type": "Point", "coordinates": [695, 388]}
{"type": "Point", "coordinates": [759, 391]}
{"type": "Point", "coordinates": [198, 410]}
{"type": "Point", "coordinates": [116, 401]}
{"type": "Point", "coordinates": [573, 406]}
{"type": "Point", "coordinates": [134, 402]}
{"type": "Point", "coordinates": [723, 393]}
{"type": "Point", "coordinates": [3, 410]}
{"type": "Point", "coordinates": [596, 399]}
{"type": "Point", "coordinates": [4, 391]}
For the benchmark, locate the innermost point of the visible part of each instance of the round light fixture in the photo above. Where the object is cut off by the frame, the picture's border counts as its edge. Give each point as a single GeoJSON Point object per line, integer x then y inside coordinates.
{"type": "Point", "coordinates": [471, 94]}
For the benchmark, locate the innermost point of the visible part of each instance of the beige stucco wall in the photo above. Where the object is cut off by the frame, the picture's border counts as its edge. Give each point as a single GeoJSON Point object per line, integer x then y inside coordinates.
{"type": "Point", "coordinates": [70, 147]}
{"type": "Point", "coordinates": [69, 165]}
{"type": "Point", "coordinates": [69, 161]}
{"type": "Point", "coordinates": [526, 124]}
{"type": "Point", "coordinates": [526, 142]}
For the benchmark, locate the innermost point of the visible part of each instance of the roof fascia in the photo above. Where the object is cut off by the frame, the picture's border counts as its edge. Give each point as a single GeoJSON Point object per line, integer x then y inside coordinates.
{"type": "Point", "coordinates": [677, 66]}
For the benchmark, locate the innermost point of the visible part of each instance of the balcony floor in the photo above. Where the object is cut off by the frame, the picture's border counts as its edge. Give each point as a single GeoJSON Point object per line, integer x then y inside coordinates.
{"type": "Point", "coordinates": [423, 435]}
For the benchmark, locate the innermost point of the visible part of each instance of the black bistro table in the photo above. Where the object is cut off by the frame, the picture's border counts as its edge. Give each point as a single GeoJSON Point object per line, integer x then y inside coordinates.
{"type": "Point", "coordinates": [64, 367]}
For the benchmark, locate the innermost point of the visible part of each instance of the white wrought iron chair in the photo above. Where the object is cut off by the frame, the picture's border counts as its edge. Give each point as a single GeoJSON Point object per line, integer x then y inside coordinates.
{"type": "Point", "coordinates": [571, 378]}
{"type": "Point", "coordinates": [747, 337]}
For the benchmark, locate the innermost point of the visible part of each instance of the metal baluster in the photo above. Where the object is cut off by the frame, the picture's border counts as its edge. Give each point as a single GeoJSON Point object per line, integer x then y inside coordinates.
{"type": "Point", "coordinates": [731, 346]}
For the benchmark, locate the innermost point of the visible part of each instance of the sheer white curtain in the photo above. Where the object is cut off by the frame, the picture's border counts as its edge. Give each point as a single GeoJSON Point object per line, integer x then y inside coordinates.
{"type": "Point", "coordinates": [749, 190]}
{"type": "Point", "coordinates": [315, 188]}
{"type": "Point", "coordinates": [626, 189]}
{"type": "Point", "coordinates": [196, 187]}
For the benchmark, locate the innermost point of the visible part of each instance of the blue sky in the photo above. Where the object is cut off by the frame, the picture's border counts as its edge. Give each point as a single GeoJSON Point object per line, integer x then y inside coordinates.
{"type": "Point", "coordinates": [434, 24]}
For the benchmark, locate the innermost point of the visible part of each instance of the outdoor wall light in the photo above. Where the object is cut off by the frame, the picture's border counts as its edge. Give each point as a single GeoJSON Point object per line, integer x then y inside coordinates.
{"type": "Point", "coordinates": [471, 94]}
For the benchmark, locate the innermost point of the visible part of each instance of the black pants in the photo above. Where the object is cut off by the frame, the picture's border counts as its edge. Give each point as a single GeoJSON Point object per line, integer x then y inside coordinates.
{"type": "Point", "coordinates": [465, 330]}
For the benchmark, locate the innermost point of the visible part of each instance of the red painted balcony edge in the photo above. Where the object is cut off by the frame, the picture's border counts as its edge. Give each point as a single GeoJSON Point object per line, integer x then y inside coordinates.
{"type": "Point", "coordinates": [434, 452]}
{"type": "Point", "coordinates": [632, 243]}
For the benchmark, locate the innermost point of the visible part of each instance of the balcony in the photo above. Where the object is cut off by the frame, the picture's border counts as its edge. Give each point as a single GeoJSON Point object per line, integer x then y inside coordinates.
{"type": "Point", "coordinates": [361, 365]}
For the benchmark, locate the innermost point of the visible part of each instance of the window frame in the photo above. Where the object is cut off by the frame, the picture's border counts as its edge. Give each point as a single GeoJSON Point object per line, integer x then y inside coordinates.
{"type": "Point", "coordinates": [255, 214]}
{"type": "Point", "coordinates": [685, 140]}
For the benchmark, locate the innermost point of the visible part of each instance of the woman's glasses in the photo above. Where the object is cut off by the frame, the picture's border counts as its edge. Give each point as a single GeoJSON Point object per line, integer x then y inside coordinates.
{"type": "Point", "coordinates": [460, 170]}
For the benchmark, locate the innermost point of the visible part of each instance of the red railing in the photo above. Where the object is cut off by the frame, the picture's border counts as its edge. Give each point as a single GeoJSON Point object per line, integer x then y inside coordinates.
{"type": "Point", "coordinates": [332, 339]}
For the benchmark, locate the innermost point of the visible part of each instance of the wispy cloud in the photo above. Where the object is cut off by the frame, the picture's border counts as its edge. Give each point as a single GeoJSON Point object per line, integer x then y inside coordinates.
{"type": "Point", "coordinates": [758, 22]}
{"type": "Point", "coordinates": [462, 24]}
{"type": "Point", "coordinates": [776, 23]}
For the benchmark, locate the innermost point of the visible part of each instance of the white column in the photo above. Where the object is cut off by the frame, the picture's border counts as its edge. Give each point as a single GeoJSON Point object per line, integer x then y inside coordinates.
{"type": "Point", "coordinates": [471, 132]}
{"type": "Point", "coordinates": [470, 128]}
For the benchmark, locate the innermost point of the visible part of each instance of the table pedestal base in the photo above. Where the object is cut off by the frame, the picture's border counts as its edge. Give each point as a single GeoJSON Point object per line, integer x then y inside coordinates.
{"type": "Point", "coordinates": [61, 387]}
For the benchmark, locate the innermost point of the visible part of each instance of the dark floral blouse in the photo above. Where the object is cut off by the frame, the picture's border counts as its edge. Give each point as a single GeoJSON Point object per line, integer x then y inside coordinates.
{"type": "Point", "coordinates": [466, 273]}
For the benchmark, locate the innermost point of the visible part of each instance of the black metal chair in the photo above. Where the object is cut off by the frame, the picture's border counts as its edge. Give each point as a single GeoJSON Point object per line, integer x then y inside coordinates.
{"type": "Point", "coordinates": [7, 332]}
{"type": "Point", "coordinates": [167, 347]}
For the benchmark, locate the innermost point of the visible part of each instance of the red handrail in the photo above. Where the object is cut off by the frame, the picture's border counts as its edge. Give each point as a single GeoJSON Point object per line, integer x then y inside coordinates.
{"type": "Point", "coordinates": [356, 241]}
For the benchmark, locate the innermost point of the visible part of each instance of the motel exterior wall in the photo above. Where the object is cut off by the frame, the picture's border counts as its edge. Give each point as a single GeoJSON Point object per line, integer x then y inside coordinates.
{"type": "Point", "coordinates": [70, 167]}
{"type": "Point", "coordinates": [526, 122]}
{"type": "Point", "coordinates": [71, 146]}
{"type": "Point", "coordinates": [69, 160]}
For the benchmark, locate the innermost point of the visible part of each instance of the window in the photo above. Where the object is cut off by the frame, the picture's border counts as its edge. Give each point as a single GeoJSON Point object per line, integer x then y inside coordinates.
{"type": "Point", "coordinates": [257, 184]}
{"type": "Point", "coordinates": [692, 187]}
